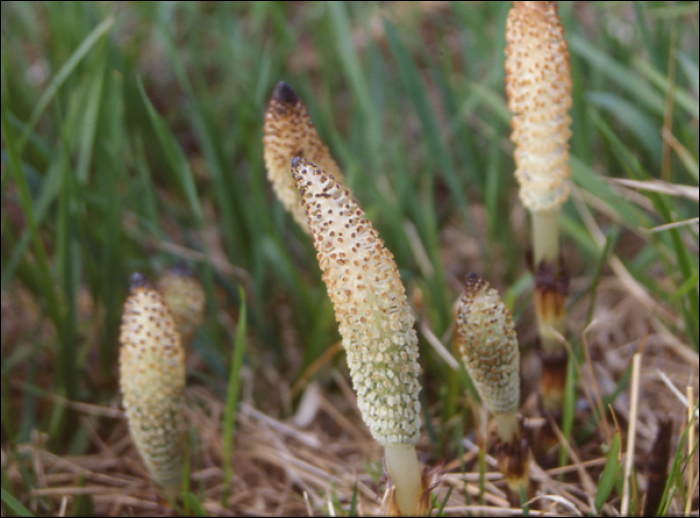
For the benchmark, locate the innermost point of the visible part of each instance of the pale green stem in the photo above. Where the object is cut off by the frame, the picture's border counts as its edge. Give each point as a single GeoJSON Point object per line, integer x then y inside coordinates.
{"type": "Point", "coordinates": [402, 465]}
{"type": "Point", "coordinates": [545, 236]}
{"type": "Point", "coordinates": [508, 426]}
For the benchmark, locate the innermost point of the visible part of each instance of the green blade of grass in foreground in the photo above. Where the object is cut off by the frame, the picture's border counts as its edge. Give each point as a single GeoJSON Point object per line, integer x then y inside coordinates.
{"type": "Point", "coordinates": [440, 508]}
{"type": "Point", "coordinates": [609, 476]}
{"type": "Point", "coordinates": [14, 504]}
{"type": "Point", "coordinates": [569, 406]}
{"type": "Point", "coordinates": [193, 505]}
{"type": "Point", "coordinates": [353, 501]}
{"type": "Point", "coordinates": [234, 385]}
{"type": "Point", "coordinates": [676, 480]}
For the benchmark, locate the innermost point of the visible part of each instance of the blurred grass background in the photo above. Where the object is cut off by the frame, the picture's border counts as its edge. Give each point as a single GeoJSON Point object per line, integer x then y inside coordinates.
{"type": "Point", "coordinates": [132, 141]}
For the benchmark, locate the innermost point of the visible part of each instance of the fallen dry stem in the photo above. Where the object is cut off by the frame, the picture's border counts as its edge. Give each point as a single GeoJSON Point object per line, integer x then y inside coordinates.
{"type": "Point", "coordinates": [585, 478]}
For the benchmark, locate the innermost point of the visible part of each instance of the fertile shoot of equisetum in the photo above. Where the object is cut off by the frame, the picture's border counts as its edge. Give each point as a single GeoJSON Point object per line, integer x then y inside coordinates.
{"type": "Point", "coordinates": [538, 87]}
{"type": "Point", "coordinates": [185, 298]}
{"type": "Point", "coordinates": [490, 352]}
{"type": "Point", "coordinates": [289, 132]}
{"type": "Point", "coordinates": [375, 321]}
{"type": "Point", "coordinates": [152, 381]}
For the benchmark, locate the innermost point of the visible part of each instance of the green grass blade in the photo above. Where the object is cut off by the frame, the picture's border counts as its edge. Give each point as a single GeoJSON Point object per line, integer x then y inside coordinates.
{"type": "Point", "coordinates": [175, 156]}
{"type": "Point", "coordinates": [234, 385]}
{"type": "Point", "coordinates": [229, 200]}
{"type": "Point", "coordinates": [685, 288]}
{"type": "Point", "coordinates": [610, 474]}
{"type": "Point", "coordinates": [146, 188]}
{"type": "Point", "coordinates": [523, 501]}
{"type": "Point", "coordinates": [89, 125]}
{"type": "Point", "coordinates": [691, 71]}
{"type": "Point", "coordinates": [353, 501]}
{"type": "Point", "coordinates": [413, 83]}
{"type": "Point", "coordinates": [683, 99]}
{"type": "Point", "coordinates": [652, 46]}
{"type": "Point", "coordinates": [65, 71]}
{"type": "Point", "coordinates": [609, 399]}
{"type": "Point", "coordinates": [185, 179]}
{"type": "Point", "coordinates": [594, 183]}
{"type": "Point", "coordinates": [68, 262]}
{"type": "Point", "coordinates": [193, 505]}
{"type": "Point", "coordinates": [49, 192]}
{"type": "Point", "coordinates": [684, 261]}
{"type": "Point", "coordinates": [610, 241]}
{"type": "Point", "coordinates": [676, 480]}
{"type": "Point", "coordinates": [441, 507]}
{"type": "Point", "coordinates": [44, 272]}
{"type": "Point", "coordinates": [617, 73]}
{"type": "Point", "coordinates": [350, 63]}
{"type": "Point", "coordinates": [492, 99]}
{"type": "Point", "coordinates": [14, 504]}
{"type": "Point", "coordinates": [110, 271]}
{"type": "Point", "coordinates": [636, 121]}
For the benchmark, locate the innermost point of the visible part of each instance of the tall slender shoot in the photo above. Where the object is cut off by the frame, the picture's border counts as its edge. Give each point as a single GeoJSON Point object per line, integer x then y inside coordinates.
{"type": "Point", "coordinates": [375, 321]}
{"type": "Point", "coordinates": [538, 87]}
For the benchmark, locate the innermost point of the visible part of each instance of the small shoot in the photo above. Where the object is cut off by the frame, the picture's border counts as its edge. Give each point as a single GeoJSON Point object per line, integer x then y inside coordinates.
{"type": "Point", "coordinates": [376, 324]}
{"type": "Point", "coordinates": [184, 296]}
{"type": "Point", "coordinates": [491, 354]}
{"type": "Point", "coordinates": [289, 132]}
{"type": "Point", "coordinates": [152, 382]}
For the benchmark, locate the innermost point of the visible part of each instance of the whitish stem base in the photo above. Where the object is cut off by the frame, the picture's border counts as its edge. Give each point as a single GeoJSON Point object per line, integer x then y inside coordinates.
{"type": "Point", "coordinates": [402, 465]}
{"type": "Point", "coordinates": [508, 426]}
{"type": "Point", "coordinates": [545, 236]}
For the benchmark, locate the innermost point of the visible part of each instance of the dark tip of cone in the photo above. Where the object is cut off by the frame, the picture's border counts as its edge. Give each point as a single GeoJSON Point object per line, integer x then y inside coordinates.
{"type": "Point", "coordinates": [181, 270]}
{"type": "Point", "coordinates": [295, 162]}
{"type": "Point", "coordinates": [139, 281]}
{"type": "Point", "coordinates": [472, 278]}
{"type": "Point", "coordinates": [284, 94]}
